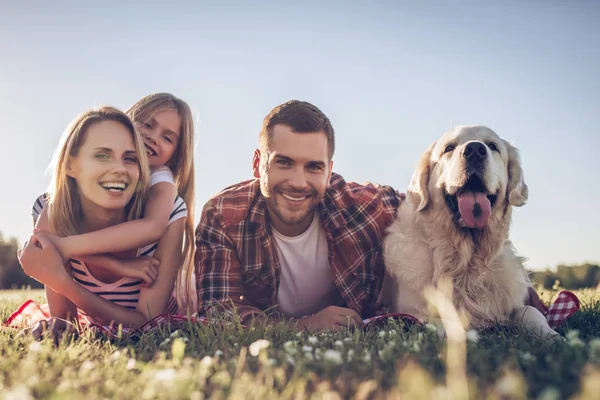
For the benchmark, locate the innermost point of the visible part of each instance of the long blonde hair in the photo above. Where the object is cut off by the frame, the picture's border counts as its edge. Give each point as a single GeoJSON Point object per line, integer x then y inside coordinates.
{"type": "Point", "coordinates": [64, 204]}
{"type": "Point", "coordinates": [182, 166]}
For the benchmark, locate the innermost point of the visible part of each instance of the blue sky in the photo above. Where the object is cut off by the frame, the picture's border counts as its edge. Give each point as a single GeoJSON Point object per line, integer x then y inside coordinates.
{"type": "Point", "coordinates": [392, 76]}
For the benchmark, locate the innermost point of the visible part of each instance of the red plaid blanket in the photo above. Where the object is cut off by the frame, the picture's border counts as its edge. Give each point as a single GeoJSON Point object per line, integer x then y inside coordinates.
{"type": "Point", "coordinates": [565, 305]}
{"type": "Point", "coordinates": [30, 313]}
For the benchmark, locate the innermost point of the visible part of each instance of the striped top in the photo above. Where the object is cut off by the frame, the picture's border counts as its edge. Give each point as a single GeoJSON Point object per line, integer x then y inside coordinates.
{"type": "Point", "coordinates": [126, 291]}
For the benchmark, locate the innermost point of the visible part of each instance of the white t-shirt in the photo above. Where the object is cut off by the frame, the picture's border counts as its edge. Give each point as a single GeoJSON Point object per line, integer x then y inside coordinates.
{"type": "Point", "coordinates": [161, 174]}
{"type": "Point", "coordinates": [306, 284]}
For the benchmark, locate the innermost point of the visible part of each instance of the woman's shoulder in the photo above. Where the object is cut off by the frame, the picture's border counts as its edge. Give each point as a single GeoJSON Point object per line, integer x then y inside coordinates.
{"type": "Point", "coordinates": [38, 205]}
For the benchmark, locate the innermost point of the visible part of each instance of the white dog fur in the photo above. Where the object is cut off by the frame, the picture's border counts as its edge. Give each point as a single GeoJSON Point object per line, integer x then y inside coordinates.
{"type": "Point", "coordinates": [429, 241]}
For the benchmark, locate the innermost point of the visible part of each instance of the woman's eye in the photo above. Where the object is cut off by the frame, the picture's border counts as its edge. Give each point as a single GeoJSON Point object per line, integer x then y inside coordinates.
{"type": "Point", "coordinates": [448, 148]}
{"type": "Point", "coordinates": [102, 156]}
{"type": "Point", "coordinates": [132, 160]}
{"type": "Point", "coordinates": [493, 146]}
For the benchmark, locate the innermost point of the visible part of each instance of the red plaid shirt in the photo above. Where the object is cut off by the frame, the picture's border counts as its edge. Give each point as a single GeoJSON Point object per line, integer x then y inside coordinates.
{"type": "Point", "coordinates": [237, 265]}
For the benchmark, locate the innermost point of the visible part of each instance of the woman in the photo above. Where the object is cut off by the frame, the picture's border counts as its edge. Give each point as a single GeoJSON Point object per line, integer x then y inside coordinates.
{"type": "Point", "coordinates": [100, 179]}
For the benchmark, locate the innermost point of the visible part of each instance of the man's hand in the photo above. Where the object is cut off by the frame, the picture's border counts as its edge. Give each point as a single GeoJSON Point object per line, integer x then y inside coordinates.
{"type": "Point", "coordinates": [144, 268]}
{"type": "Point", "coordinates": [330, 318]}
{"type": "Point", "coordinates": [54, 328]}
{"type": "Point", "coordinates": [534, 300]}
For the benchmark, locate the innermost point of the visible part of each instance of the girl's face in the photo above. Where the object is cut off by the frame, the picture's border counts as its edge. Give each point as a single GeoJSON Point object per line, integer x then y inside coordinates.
{"type": "Point", "coordinates": [106, 168]}
{"type": "Point", "coordinates": [161, 135]}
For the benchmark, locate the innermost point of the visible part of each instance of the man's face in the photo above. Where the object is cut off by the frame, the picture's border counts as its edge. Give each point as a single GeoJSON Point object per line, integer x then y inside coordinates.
{"type": "Point", "coordinates": [294, 175]}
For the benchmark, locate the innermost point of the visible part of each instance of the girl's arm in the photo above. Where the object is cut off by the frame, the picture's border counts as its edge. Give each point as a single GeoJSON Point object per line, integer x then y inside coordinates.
{"type": "Point", "coordinates": [41, 260]}
{"type": "Point", "coordinates": [126, 235]}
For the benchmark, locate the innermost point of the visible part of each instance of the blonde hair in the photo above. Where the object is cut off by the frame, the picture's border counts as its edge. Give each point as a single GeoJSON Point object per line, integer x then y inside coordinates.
{"type": "Point", "coordinates": [64, 204]}
{"type": "Point", "coordinates": [182, 166]}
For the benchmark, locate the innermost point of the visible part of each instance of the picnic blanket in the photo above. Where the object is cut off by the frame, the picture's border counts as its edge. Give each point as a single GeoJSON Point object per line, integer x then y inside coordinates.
{"type": "Point", "coordinates": [565, 305]}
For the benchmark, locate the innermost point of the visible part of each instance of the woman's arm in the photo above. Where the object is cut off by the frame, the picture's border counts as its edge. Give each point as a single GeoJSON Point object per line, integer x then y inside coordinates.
{"type": "Point", "coordinates": [127, 235]}
{"type": "Point", "coordinates": [41, 260]}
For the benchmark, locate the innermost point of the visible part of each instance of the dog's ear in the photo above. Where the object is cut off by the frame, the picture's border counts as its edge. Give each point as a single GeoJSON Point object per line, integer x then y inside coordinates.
{"type": "Point", "coordinates": [516, 191]}
{"type": "Point", "coordinates": [420, 180]}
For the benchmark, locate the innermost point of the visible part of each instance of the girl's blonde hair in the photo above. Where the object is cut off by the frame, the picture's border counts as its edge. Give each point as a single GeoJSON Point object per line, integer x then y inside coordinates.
{"type": "Point", "coordinates": [182, 166]}
{"type": "Point", "coordinates": [64, 204]}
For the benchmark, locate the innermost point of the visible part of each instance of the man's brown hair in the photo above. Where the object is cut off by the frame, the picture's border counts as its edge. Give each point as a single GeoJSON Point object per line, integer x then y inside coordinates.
{"type": "Point", "coordinates": [301, 117]}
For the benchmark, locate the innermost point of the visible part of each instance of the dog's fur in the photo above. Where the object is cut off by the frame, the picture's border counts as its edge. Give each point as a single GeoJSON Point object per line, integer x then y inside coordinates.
{"type": "Point", "coordinates": [429, 241]}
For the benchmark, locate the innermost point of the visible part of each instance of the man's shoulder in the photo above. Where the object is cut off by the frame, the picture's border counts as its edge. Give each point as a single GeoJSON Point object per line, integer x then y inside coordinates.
{"type": "Point", "coordinates": [235, 203]}
{"type": "Point", "coordinates": [347, 194]}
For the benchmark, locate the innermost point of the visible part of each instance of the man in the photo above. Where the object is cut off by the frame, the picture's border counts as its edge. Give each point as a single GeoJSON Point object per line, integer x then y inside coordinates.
{"type": "Point", "coordinates": [297, 242]}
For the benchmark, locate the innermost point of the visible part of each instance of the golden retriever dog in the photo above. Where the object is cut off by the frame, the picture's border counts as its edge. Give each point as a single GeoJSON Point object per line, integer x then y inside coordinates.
{"type": "Point", "coordinates": [454, 226]}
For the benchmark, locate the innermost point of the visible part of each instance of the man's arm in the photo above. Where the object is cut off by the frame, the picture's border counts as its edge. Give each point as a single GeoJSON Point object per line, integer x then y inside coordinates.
{"type": "Point", "coordinates": [219, 271]}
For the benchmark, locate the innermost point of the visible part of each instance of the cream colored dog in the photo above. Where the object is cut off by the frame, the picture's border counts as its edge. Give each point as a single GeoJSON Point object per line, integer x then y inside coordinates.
{"type": "Point", "coordinates": [454, 225]}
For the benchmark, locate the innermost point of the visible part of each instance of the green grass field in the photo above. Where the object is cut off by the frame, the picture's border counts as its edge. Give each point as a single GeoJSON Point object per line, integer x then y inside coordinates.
{"type": "Point", "coordinates": [387, 362]}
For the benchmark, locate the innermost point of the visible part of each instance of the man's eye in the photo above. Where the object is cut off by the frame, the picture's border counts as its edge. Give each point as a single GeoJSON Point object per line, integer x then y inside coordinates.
{"type": "Point", "coordinates": [283, 162]}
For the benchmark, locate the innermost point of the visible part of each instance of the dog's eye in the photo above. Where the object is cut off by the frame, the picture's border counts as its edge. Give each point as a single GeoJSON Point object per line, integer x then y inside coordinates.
{"type": "Point", "coordinates": [448, 148]}
{"type": "Point", "coordinates": [493, 146]}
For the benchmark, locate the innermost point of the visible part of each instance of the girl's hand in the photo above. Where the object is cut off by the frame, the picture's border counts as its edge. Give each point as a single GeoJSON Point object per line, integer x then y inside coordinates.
{"type": "Point", "coordinates": [57, 241]}
{"type": "Point", "coordinates": [41, 261]}
{"type": "Point", "coordinates": [144, 268]}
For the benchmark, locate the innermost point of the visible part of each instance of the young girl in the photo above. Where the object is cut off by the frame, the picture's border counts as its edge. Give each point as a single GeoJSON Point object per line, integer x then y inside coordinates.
{"type": "Point", "coordinates": [166, 126]}
{"type": "Point", "coordinates": [99, 181]}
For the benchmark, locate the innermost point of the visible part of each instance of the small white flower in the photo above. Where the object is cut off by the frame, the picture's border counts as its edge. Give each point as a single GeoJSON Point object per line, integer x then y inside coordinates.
{"type": "Point", "coordinates": [35, 347]}
{"type": "Point", "coordinates": [309, 356]}
{"type": "Point", "coordinates": [416, 346]}
{"type": "Point", "coordinates": [367, 357]}
{"type": "Point", "coordinates": [290, 360]}
{"type": "Point", "coordinates": [528, 357]}
{"type": "Point", "coordinates": [348, 340]}
{"type": "Point", "coordinates": [333, 356]}
{"type": "Point", "coordinates": [430, 327]}
{"type": "Point", "coordinates": [576, 342]}
{"type": "Point", "coordinates": [290, 347]}
{"type": "Point", "coordinates": [87, 365]}
{"type": "Point", "coordinates": [176, 333]}
{"type": "Point", "coordinates": [206, 361]}
{"type": "Point", "coordinates": [165, 342]}
{"type": "Point", "coordinates": [130, 364]}
{"type": "Point", "coordinates": [381, 333]}
{"type": "Point", "coordinates": [472, 336]}
{"type": "Point", "coordinates": [271, 362]}
{"type": "Point", "coordinates": [218, 353]}
{"type": "Point", "coordinates": [572, 334]}
{"type": "Point", "coordinates": [166, 375]}
{"type": "Point", "coordinates": [116, 355]}
{"type": "Point", "coordinates": [550, 393]}
{"type": "Point", "coordinates": [338, 343]}
{"type": "Point", "coordinates": [312, 340]}
{"type": "Point", "coordinates": [595, 349]}
{"type": "Point", "coordinates": [257, 346]}
{"type": "Point", "coordinates": [307, 349]}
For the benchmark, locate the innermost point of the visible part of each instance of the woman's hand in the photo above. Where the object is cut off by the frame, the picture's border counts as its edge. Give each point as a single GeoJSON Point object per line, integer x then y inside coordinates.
{"type": "Point", "coordinates": [41, 261]}
{"type": "Point", "coordinates": [55, 328]}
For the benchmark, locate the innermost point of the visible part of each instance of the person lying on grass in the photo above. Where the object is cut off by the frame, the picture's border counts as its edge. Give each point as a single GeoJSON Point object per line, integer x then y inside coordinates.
{"type": "Point", "coordinates": [100, 179]}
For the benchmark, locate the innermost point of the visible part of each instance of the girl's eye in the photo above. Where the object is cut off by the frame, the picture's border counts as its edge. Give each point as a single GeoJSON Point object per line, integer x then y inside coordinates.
{"type": "Point", "coordinates": [168, 139]}
{"type": "Point", "coordinates": [448, 148]}
{"type": "Point", "coordinates": [493, 146]}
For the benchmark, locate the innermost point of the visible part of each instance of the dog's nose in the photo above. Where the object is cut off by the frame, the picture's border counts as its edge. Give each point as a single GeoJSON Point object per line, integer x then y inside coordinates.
{"type": "Point", "coordinates": [475, 151]}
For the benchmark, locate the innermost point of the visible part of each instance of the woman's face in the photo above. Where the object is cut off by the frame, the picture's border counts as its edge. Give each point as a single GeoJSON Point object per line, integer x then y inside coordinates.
{"type": "Point", "coordinates": [161, 136]}
{"type": "Point", "coordinates": [106, 168]}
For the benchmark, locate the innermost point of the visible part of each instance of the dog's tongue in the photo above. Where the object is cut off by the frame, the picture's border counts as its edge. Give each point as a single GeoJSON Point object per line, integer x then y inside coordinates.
{"type": "Point", "coordinates": [474, 208]}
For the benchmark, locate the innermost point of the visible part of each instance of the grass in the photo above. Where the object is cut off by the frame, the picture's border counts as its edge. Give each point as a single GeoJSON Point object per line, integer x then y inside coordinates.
{"type": "Point", "coordinates": [390, 361]}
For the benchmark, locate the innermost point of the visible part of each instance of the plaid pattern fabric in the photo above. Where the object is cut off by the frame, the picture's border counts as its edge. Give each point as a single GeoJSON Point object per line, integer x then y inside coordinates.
{"type": "Point", "coordinates": [30, 313]}
{"type": "Point", "coordinates": [565, 305]}
{"type": "Point", "coordinates": [237, 266]}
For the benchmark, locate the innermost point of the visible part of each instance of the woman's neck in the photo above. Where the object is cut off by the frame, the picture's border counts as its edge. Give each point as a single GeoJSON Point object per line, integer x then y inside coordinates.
{"type": "Point", "coordinates": [95, 218]}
